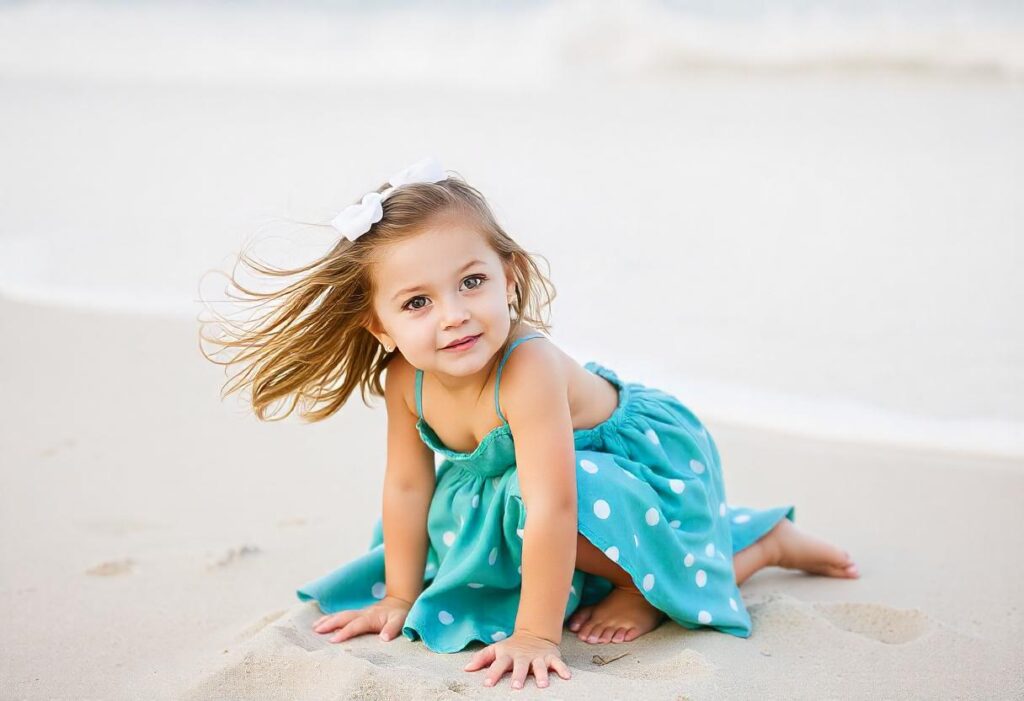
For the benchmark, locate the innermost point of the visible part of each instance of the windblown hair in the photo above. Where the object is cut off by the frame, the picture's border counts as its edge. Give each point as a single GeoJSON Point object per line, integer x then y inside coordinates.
{"type": "Point", "coordinates": [313, 347]}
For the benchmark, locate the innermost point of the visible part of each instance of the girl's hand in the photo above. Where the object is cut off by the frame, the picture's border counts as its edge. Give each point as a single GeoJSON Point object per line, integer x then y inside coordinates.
{"type": "Point", "coordinates": [522, 651]}
{"type": "Point", "coordinates": [387, 616]}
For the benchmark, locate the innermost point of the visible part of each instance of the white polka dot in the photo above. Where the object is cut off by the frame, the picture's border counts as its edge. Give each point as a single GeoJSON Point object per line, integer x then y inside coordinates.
{"type": "Point", "coordinates": [448, 538]}
{"type": "Point", "coordinates": [572, 590]}
{"type": "Point", "coordinates": [445, 617]}
{"type": "Point", "coordinates": [378, 590]}
{"type": "Point", "coordinates": [636, 541]}
{"type": "Point", "coordinates": [701, 578]}
{"type": "Point", "coordinates": [709, 550]}
{"type": "Point", "coordinates": [652, 516]}
{"type": "Point", "coordinates": [697, 466]}
{"type": "Point", "coordinates": [721, 509]}
{"type": "Point", "coordinates": [688, 560]}
{"type": "Point", "coordinates": [677, 486]}
{"type": "Point", "coordinates": [652, 436]}
{"type": "Point", "coordinates": [492, 557]}
{"type": "Point", "coordinates": [629, 474]}
{"type": "Point", "coordinates": [519, 569]}
{"type": "Point", "coordinates": [741, 518]}
{"type": "Point", "coordinates": [612, 553]}
{"type": "Point", "coordinates": [431, 567]}
{"type": "Point", "coordinates": [602, 509]}
{"type": "Point", "coordinates": [648, 582]}
{"type": "Point", "coordinates": [674, 524]}
{"type": "Point", "coordinates": [732, 604]}
{"type": "Point", "coordinates": [588, 466]}
{"type": "Point", "coordinates": [495, 481]}
{"type": "Point", "coordinates": [519, 532]}
{"type": "Point", "coordinates": [704, 617]}
{"type": "Point", "coordinates": [498, 635]}
{"type": "Point", "coordinates": [476, 501]}
{"type": "Point", "coordinates": [474, 585]}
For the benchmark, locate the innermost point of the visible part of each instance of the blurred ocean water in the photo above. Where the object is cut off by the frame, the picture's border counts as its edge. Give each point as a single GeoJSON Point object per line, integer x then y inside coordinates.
{"type": "Point", "coordinates": [503, 45]}
{"type": "Point", "coordinates": [804, 217]}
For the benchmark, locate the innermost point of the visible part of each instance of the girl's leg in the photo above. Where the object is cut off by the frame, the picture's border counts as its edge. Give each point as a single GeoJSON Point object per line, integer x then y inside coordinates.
{"type": "Point", "coordinates": [590, 559]}
{"type": "Point", "coordinates": [787, 546]}
{"type": "Point", "coordinates": [623, 615]}
{"type": "Point", "coordinates": [750, 559]}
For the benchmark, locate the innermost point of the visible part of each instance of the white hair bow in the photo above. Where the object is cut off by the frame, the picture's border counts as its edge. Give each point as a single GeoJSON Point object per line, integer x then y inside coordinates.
{"type": "Point", "coordinates": [356, 219]}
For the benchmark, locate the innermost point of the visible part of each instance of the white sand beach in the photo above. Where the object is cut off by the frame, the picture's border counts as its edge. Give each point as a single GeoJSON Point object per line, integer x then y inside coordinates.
{"type": "Point", "coordinates": [153, 541]}
{"type": "Point", "coordinates": [808, 232]}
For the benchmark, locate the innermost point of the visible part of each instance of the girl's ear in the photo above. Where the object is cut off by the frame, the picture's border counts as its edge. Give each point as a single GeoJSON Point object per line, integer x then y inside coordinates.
{"type": "Point", "coordinates": [510, 288]}
{"type": "Point", "coordinates": [385, 340]}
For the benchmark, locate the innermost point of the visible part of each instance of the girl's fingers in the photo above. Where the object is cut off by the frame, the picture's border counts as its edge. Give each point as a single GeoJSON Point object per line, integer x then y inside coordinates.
{"type": "Point", "coordinates": [520, 668]}
{"type": "Point", "coordinates": [480, 658]}
{"type": "Point", "coordinates": [392, 628]}
{"type": "Point", "coordinates": [559, 665]}
{"type": "Point", "coordinates": [540, 672]}
{"type": "Point", "coordinates": [357, 627]}
{"type": "Point", "coordinates": [497, 670]}
{"type": "Point", "coordinates": [334, 621]}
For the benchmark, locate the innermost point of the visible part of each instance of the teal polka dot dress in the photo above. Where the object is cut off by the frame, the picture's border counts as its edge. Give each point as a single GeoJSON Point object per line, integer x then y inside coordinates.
{"type": "Point", "coordinates": [651, 497]}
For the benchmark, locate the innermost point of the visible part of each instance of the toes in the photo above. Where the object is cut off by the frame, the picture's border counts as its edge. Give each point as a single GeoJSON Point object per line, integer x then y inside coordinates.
{"type": "Point", "coordinates": [581, 616]}
{"type": "Point", "coordinates": [631, 634]}
{"type": "Point", "coordinates": [619, 636]}
{"type": "Point", "coordinates": [585, 631]}
{"type": "Point", "coordinates": [606, 635]}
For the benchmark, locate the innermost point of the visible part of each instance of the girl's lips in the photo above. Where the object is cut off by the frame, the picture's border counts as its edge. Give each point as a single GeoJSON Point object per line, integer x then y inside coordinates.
{"type": "Point", "coordinates": [463, 346]}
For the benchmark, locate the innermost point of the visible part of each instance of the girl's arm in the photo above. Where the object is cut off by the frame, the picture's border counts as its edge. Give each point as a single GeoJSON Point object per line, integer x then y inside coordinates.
{"type": "Point", "coordinates": [409, 481]}
{"type": "Point", "coordinates": [535, 402]}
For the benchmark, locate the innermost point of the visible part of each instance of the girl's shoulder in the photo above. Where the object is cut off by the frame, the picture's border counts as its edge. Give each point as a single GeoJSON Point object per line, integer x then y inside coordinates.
{"type": "Point", "coordinates": [400, 379]}
{"type": "Point", "coordinates": [534, 362]}
{"type": "Point", "coordinates": [539, 368]}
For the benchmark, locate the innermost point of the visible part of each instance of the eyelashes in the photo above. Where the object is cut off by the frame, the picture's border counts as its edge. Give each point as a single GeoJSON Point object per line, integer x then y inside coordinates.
{"type": "Point", "coordinates": [407, 306]}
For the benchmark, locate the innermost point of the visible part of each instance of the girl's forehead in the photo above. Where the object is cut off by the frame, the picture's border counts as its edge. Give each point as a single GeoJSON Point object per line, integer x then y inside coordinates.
{"type": "Point", "coordinates": [437, 253]}
{"type": "Point", "coordinates": [436, 247]}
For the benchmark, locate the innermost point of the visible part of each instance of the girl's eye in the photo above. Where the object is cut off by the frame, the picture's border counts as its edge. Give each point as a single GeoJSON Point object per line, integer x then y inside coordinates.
{"type": "Point", "coordinates": [412, 307]}
{"type": "Point", "coordinates": [477, 277]}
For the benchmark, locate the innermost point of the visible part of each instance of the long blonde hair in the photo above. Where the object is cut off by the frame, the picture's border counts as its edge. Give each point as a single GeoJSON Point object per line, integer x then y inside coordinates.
{"type": "Point", "coordinates": [313, 346]}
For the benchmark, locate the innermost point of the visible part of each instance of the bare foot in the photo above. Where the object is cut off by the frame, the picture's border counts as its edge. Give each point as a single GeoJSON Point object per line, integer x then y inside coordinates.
{"type": "Point", "coordinates": [621, 616]}
{"type": "Point", "coordinates": [787, 546]}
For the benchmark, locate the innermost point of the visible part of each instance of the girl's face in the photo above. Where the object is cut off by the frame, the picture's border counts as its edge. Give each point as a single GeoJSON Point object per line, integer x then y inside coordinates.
{"type": "Point", "coordinates": [439, 286]}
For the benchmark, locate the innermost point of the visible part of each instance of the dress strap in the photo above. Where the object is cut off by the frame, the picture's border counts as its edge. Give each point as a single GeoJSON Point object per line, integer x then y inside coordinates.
{"type": "Point", "coordinates": [501, 365]}
{"type": "Point", "coordinates": [419, 392]}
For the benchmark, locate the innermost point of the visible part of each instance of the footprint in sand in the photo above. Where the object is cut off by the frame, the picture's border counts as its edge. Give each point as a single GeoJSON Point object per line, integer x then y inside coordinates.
{"type": "Point", "coordinates": [882, 623]}
{"type": "Point", "coordinates": [234, 554]}
{"type": "Point", "coordinates": [112, 568]}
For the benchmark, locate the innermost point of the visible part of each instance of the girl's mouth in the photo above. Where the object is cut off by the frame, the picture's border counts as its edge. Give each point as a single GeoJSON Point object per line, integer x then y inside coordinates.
{"type": "Point", "coordinates": [469, 343]}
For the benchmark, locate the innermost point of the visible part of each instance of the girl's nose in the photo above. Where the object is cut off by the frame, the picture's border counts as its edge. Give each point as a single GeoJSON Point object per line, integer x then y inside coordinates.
{"type": "Point", "coordinates": [455, 314]}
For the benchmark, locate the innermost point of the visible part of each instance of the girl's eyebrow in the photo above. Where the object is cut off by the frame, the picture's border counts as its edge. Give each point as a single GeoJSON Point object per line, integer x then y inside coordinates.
{"type": "Point", "coordinates": [414, 288]}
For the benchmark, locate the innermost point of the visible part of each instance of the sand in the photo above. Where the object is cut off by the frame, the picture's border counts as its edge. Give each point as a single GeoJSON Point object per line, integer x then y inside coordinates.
{"type": "Point", "coordinates": [153, 537]}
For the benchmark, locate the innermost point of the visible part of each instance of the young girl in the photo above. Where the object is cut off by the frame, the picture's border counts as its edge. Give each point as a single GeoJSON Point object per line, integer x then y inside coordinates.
{"type": "Point", "coordinates": [565, 493]}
